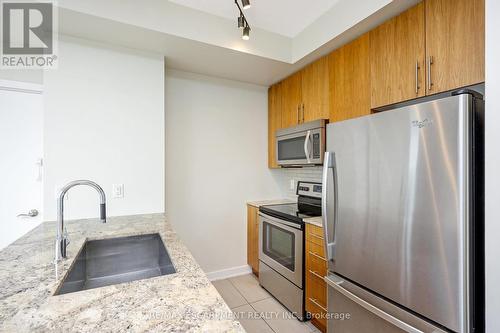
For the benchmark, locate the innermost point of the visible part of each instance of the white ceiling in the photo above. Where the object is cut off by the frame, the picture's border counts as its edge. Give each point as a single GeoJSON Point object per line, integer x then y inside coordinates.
{"type": "Point", "coordinates": [284, 17]}
{"type": "Point", "coordinates": [197, 41]}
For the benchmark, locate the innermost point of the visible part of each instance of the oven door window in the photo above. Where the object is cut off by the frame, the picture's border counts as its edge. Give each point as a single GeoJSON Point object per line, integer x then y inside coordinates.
{"type": "Point", "coordinates": [291, 149]}
{"type": "Point", "coordinates": [279, 245]}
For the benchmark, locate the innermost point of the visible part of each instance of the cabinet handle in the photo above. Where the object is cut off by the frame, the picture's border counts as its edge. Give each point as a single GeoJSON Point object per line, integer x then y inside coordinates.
{"type": "Point", "coordinates": [417, 68]}
{"type": "Point", "coordinates": [315, 302]}
{"type": "Point", "coordinates": [298, 111]}
{"type": "Point", "coordinates": [317, 256]}
{"type": "Point", "coordinates": [317, 275]}
{"type": "Point", "coordinates": [303, 108]}
{"type": "Point", "coordinates": [430, 61]}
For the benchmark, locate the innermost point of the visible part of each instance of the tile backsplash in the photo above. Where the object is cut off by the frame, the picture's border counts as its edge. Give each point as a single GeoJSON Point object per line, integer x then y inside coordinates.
{"type": "Point", "coordinates": [285, 176]}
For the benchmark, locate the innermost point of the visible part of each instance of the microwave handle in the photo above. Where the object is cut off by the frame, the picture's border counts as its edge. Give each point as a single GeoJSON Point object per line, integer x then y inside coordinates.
{"type": "Point", "coordinates": [306, 146]}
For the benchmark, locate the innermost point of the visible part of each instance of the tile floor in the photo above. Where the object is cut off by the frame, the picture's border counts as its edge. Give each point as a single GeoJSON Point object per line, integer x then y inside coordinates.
{"type": "Point", "coordinates": [256, 309]}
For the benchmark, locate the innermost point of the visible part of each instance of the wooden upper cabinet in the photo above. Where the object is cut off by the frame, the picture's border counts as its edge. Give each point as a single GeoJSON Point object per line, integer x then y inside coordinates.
{"type": "Point", "coordinates": [397, 56]}
{"type": "Point", "coordinates": [455, 42]}
{"type": "Point", "coordinates": [349, 69]}
{"type": "Point", "coordinates": [291, 97]}
{"type": "Point", "coordinates": [315, 104]}
{"type": "Point", "coordinates": [274, 122]}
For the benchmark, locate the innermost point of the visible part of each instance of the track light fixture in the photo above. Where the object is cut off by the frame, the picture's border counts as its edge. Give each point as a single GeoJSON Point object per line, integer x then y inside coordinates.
{"type": "Point", "coordinates": [242, 20]}
{"type": "Point", "coordinates": [246, 33]}
{"type": "Point", "coordinates": [246, 4]}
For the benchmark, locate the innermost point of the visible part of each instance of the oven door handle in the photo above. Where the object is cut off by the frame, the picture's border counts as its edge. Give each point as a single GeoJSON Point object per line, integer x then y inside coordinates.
{"type": "Point", "coordinates": [306, 147]}
{"type": "Point", "coordinates": [280, 223]}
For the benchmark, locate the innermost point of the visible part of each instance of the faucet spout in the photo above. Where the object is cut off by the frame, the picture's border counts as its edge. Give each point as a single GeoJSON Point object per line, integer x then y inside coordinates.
{"type": "Point", "coordinates": [61, 237]}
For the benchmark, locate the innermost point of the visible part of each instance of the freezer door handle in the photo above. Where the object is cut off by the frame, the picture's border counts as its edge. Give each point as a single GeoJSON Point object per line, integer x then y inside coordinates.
{"type": "Point", "coordinates": [329, 165]}
{"type": "Point", "coordinates": [336, 283]}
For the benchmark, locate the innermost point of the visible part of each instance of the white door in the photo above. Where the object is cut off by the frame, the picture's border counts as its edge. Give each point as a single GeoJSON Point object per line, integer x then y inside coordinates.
{"type": "Point", "coordinates": [21, 151]}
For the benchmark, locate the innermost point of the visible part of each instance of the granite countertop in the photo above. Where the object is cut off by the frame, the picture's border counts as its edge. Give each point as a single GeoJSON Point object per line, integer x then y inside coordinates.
{"type": "Point", "coordinates": [259, 203]}
{"type": "Point", "coordinates": [182, 302]}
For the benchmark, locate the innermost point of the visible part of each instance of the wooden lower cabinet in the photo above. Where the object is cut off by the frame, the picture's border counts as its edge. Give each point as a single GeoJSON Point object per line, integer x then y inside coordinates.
{"type": "Point", "coordinates": [253, 238]}
{"type": "Point", "coordinates": [315, 270]}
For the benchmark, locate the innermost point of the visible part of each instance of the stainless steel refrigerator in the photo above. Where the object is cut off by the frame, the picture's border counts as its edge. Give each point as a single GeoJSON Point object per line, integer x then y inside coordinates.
{"type": "Point", "coordinates": [403, 218]}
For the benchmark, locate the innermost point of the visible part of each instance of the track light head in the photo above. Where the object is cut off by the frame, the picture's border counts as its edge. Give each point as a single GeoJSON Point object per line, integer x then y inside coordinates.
{"type": "Point", "coordinates": [246, 4]}
{"type": "Point", "coordinates": [241, 21]}
{"type": "Point", "coordinates": [246, 33]}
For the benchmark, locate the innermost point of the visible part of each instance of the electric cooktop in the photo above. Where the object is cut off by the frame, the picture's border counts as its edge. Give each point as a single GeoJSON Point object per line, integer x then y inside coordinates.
{"type": "Point", "coordinates": [308, 204]}
{"type": "Point", "coordinates": [289, 212]}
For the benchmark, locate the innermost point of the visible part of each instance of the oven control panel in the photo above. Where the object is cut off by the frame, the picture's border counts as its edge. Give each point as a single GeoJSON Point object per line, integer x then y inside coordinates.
{"type": "Point", "coordinates": [309, 189]}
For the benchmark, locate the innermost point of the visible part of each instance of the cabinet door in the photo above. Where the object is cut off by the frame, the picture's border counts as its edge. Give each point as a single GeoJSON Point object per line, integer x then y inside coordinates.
{"type": "Point", "coordinates": [349, 69]}
{"type": "Point", "coordinates": [455, 42]}
{"type": "Point", "coordinates": [274, 122]}
{"type": "Point", "coordinates": [253, 238]}
{"type": "Point", "coordinates": [397, 55]}
{"type": "Point", "coordinates": [315, 104]}
{"type": "Point", "coordinates": [291, 100]}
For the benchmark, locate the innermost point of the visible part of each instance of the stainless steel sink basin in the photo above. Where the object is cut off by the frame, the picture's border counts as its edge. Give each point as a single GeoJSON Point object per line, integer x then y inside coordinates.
{"type": "Point", "coordinates": [111, 261]}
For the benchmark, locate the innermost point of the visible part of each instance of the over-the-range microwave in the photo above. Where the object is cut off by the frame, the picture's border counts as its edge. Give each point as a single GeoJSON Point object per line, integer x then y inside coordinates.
{"type": "Point", "coordinates": [301, 145]}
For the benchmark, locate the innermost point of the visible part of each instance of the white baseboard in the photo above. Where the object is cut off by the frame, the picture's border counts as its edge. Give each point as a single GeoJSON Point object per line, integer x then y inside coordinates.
{"type": "Point", "coordinates": [229, 272]}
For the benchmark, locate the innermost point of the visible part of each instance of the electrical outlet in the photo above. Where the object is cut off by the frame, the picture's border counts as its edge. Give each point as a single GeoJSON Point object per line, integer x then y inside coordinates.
{"type": "Point", "coordinates": [292, 184]}
{"type": "Point", "coordinates": [118, 191]}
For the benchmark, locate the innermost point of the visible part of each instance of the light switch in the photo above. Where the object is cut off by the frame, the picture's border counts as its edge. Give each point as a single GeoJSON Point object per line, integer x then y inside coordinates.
{"type": "Point", "coordinates": [117, 190]}
{"type": "Point", "coordinates": [292, 184]}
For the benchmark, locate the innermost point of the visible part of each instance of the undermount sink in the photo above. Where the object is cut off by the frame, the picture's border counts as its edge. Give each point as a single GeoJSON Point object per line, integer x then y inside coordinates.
{"type": "Point", "coordinates": [111, 261]}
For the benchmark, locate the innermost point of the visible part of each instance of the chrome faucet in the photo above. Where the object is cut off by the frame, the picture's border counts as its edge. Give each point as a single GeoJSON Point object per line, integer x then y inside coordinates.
{"type": "Point", "coordinates": [62, 237]}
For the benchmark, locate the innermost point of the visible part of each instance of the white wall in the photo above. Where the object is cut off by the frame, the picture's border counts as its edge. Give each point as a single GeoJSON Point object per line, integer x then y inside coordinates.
{"type": "Point", "coordinates": [492, 167]}
{"type": "Point", "coordinates": [22, 75]}
{"type": "Point", "coordinates": [216, 160]}
{"type": "Point", "coordinates": [104, 116]}
{"type": "Point", "coordinates": [343, 15]}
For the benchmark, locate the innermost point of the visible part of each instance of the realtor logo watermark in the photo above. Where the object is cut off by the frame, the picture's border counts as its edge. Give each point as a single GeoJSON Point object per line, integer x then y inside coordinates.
{"type": "Point", "coordinates": [29, 38]}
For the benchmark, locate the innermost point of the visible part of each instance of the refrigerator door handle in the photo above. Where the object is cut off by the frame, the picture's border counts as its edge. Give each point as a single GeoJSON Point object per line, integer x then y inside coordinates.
{"type": "Point", "coordinates": [329, 165]}
{"type": "Point", "coordinates": [336, 283]}
{"type": "Point", "coordinates": [306, 147]}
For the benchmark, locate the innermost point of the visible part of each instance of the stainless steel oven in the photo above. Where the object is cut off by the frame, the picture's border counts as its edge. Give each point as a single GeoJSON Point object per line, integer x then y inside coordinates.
{"type": "Point", "coordinates": [281, 247]}
{"type": "Point", "coordinates": [301, 145]}
{"type": "Point", "coordinates": [281, 261]}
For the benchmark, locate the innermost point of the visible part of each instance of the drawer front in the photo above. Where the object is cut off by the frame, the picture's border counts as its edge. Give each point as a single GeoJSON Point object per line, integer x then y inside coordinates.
{"type": "Point", "coordinates": [317, 290]}
{"type": "Point", "coordinates": [317, 266]}
{"type": "Point", "coordinates": [317, 312]}
{"type": "Point", "coordinates": [314, 234]}
{"type": "Point", "coordinates": [317, 250]}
